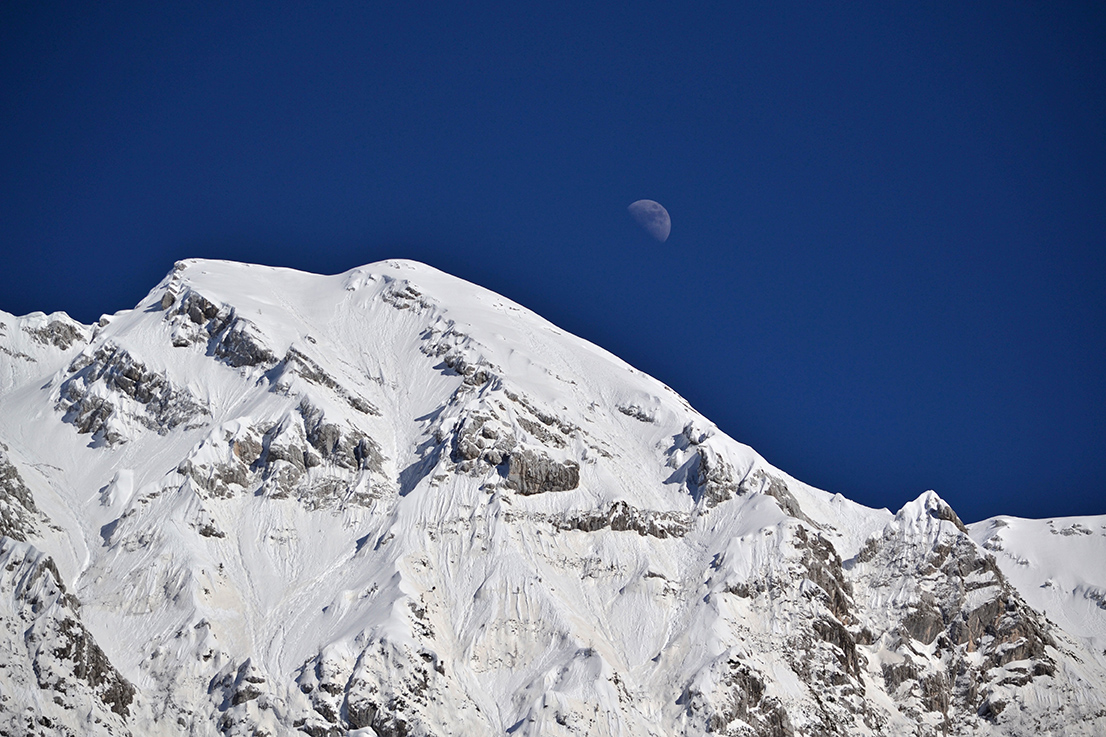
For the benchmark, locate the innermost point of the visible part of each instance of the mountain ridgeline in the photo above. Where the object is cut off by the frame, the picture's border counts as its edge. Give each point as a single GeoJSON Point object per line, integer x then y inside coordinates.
{"type": "Point", "coordinates": [389, 502]}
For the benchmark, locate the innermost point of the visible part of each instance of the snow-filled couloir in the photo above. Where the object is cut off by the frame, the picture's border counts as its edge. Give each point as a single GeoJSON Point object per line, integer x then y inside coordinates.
{"type": "Point", "coordinates": [391, 502]}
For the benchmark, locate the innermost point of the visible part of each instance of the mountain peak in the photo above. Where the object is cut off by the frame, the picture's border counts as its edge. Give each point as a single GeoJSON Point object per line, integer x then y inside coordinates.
{"type": "Point", "coordinates": [390, 499]}
{"type": "Point", "coordinates": [928, 506]}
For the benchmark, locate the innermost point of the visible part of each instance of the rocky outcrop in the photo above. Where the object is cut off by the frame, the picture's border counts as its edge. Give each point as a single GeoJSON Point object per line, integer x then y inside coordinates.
{"type": "Point", "coordinates": [458, 355]}
{"type": "Point", "coordinates": [385, 687]}
{"type": "Point", "coordinates": [57, 333]}
{"type": "Point", "coordinates": [298, 364]}
{"type": "Point", "coordinates": [480, 437]}
{"type": "Point", "coordinates": [343, 447]}
{"type": "Point", "coordinates": [795, 578]}
{"type": "Point", "coordinates": [639, 414]}
{"type": "Point", "coordinates": [108, 391]}
{"type": "Point", "coordinates": [242, 344]}
{"type": "Point", "coordinates": [712, 478]}
{"type": "Point", "coordinates": [823, 567]}
{"type": "Point", "coordinates": [228, 337]}
{"type": "Point", "coordinates": [521, 448]}
{"type": "Point", "coordinates": [402, 295]}
{"type": "Point", "coordinates": [48, 656]}
{"type": "Point", "coordinates": [303, 457]}
{"type": "Point", "coordinates": [953, 601]}
{"type": "Point", "coordinates": [620, 517]}
{"type": "Point", "coordinates": [530, 472]}
{"type": "Point", "coordinates": [732, 700]}
{"type": "Point", "coordinates": [19, 516]}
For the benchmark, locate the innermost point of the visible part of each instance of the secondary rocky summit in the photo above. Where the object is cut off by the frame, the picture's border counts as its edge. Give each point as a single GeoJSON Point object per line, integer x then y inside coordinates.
{"type": "Point", "coordinates": [265, 502]}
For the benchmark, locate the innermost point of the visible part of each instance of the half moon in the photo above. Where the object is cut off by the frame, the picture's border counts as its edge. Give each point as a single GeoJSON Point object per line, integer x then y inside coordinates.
{"type": "Point", "coordinates": [653, 218]}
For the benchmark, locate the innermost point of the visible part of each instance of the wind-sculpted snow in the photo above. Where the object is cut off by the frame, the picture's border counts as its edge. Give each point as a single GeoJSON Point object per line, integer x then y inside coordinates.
{"type": "Point", "coordinates": [390, 502]}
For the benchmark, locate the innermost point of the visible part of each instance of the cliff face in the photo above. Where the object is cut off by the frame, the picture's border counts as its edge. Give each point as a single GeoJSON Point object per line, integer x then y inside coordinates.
{"type": "Point", "coordinates": [265, 502]}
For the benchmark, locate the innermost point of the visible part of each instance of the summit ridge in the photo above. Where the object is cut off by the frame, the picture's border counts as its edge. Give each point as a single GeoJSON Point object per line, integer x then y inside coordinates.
{"type": "Point", "coordinates": [392, 502]}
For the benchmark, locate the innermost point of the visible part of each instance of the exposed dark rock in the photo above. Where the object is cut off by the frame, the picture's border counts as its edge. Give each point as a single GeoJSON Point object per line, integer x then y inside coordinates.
{"type": "Point", "coordinates": [56, 333]}
{"type": "Point", "coordinates": [738, 696]}
{"type": "Point", "coordinates": [453, 347]}
{"type": "Point", "coordinates": [208, 529]}
{"type": "Point", "coordinates": [620, 516]}
{"type": "Point", "coordinates": [344, 447]}
{"type": "Point", "coordinates": [248, 449]}
{"type": "Point", "coordinates": [17, 354]}
{"type": "Point", "coordinates": [823, 567]}
{"type": "Point", "coordinates": [566, 428]}
{"type": "Point", "coordinates": [866, 553]}
{"type": "Point", "coordinates": [541, 433]}
{"type": "Point", "coordinates": [164, 405]}
{"type": "Point", "coordinates": [247, 683]}
{"type": "Point", "coordinates": [932, 690]}
{"type": "Point", "coordinates": [89, 663]}
{"type": "Point", "coordinates": [231, 338]}
{"type": "Point", "coordinates": [775, 487]}
{"type": "Point", "coordinates": [63, 655]}
{"type": "Point", "coordinates": [275, 461]}
{"type": "Point", "coordinates": [961, 604]}
{"type": "Point", "coordinates": [991, 708]}
{"type": "Point", "coordinates": [895, 674]}
{"type": "Point", "coordinates": [200, 310]}
{"type": "Point", "coordinates": [833, 632]}
{"type": "Point", "coordinates": [637, 413]}
{"type": "Point", "coordinates": [300, 364]}
{"type": "Point", "coordinates": [712, 478]}
{"type": "Point", "coordinates": [481, 438]}
{"type": "Point", "coordinates": [381, 693]}
{"type": "Point", "coordinates": [403, 296]}
{"type": "Point", "coordinates": [241, 344]}
{"type": "Point", "coordinates": [291, 453]}
{"type": "Point", "coordinates": [475, 374]}
{"type": "Point", "coordinates": [217, 479]}
{"type": "Point", "coordinates": [196, 319]}
{"type": "Point", "coordinates": [318, 729]}
{"type": "Point", "coordinates": [18, 513]}
{"type": "Point", "coordinates": [531, 472]}
{"type": "Point", "coordinates": [944, 511]}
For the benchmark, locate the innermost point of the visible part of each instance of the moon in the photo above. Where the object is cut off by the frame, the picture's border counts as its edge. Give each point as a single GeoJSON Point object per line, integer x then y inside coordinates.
{"type": "Point", "coordinates": [653, 218]}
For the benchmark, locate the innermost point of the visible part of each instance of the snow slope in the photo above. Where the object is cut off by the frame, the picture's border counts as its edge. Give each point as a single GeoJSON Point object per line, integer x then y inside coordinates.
{"type": "Point", "coordinates": [389, 501]}
{"type": "Point", "coordinates": [1059, 566]}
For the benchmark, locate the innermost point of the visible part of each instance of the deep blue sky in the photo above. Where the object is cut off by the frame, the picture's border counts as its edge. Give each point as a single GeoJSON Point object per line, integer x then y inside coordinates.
{"type": "Point", "coordinates": [887, 257]}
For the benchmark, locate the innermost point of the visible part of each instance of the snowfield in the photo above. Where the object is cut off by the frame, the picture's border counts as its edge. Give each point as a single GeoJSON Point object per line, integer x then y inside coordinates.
{"type": "Point", "coordinates": [390, 502]}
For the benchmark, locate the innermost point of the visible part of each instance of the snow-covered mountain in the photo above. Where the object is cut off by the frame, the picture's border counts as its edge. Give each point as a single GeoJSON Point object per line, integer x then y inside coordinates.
{"type": "Point", "coordinates": [390, 502]}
